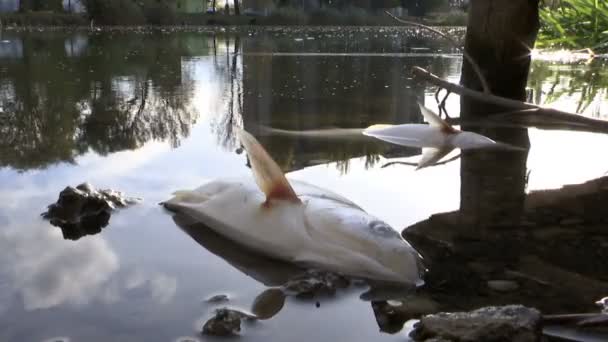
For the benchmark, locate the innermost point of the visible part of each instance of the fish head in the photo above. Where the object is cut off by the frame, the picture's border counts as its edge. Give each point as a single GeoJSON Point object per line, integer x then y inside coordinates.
{"type": "Point", "coordinates": [398, 261]}
{"type": "Point", "coordinates": [360, 244]}
{"type": "Point", "coordinates": [402, 261]}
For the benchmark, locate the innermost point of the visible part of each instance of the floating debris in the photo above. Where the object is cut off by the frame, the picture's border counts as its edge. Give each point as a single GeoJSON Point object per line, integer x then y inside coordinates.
{"type": "Point", "coordinates": [84, 210]}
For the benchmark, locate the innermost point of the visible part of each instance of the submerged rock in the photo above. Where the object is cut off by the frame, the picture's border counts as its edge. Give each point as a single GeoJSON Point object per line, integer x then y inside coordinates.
{"type": "Point", "coordinates": [225, 322]}
{"type": "Point", "coordinates": [502, 323]}
{"type": "Point", "coordinates": [313, 283]}
{"type": "Point", "coordinates": [391, 315]}
{"type": "Point", "coordinates": [219, 298]}
{"type": "Point", "coordinates": [84, 210]}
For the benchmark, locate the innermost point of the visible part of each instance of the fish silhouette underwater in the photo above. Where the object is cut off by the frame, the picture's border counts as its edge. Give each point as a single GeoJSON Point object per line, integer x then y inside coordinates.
{"type": "Point", "coordinates": [299, 223]}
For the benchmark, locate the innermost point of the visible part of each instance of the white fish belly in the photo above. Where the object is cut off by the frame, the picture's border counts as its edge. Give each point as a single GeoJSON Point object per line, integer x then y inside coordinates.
{"type": "Point", "coordinates": [413, 135]}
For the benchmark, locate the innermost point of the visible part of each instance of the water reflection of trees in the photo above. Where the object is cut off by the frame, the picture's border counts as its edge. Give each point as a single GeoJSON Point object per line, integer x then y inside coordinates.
{"type": "Point", "coordinates": [117, 93]}
{"type": "Point", "coordinates": [301, 92]}
{"type": "Point", "coordinates": [229, 66]}
{"type": "Point", "coordinates": [584, 84]}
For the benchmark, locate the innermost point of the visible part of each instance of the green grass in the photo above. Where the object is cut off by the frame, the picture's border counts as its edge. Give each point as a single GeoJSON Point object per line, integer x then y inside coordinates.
{"type": "Point", "coordinates": [574, 24]}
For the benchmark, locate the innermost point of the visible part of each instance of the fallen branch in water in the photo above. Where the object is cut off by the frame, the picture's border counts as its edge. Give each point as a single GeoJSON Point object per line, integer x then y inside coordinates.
{"type": "Point", "coordinates": [520, 108]}
{"type": "Point", "coordinates": [416, 164]}
{"type": "Point", "coordinates": [474, 65]}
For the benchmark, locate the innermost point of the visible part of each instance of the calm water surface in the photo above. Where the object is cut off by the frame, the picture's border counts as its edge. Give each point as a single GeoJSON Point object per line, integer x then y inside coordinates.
{"type": "Point", "coordinates": [152, 112]}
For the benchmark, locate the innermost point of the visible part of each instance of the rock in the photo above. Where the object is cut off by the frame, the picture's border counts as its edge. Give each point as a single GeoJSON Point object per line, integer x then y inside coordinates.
{"type": "Point", "coordinates": [219, 298]}
{"type": "Point", "coordinates": [391, 315]}
{"type": "Point", "coordinates": [225, 322]}
{"type": "Point", "coordinates": [504, 323]}
{"type": "Point", "coordinates": [84, 210]}
{"type": "Point", "coordinates": [503, 285]}
{"type": "Point", "coordinates": [314, 283]}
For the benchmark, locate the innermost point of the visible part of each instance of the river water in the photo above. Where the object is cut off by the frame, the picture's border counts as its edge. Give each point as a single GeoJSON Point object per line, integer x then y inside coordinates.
{"type": "Point", "coordinates": [150, 112]}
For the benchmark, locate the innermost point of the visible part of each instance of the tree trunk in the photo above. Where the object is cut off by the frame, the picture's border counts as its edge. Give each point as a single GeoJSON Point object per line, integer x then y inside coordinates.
{"type": "Point", "coordinates": [500, 34]}
{"type": "Point", "coordinates": [237, 8]}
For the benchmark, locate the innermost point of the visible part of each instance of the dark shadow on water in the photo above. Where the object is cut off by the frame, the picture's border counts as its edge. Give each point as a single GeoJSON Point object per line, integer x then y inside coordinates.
{"type": "Point", "coordinates": [549, 246]}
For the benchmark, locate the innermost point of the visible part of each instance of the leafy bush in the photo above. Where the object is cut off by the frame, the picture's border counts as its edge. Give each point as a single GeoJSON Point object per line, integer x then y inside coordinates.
{"type": "Point", "coordinates": [575, 24]}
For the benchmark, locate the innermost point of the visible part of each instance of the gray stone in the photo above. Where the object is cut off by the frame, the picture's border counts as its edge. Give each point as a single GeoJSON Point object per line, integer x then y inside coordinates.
{"type": "Point", "coordinates": [506, 323]}
{"type": "Point", "coordinates": [225, 322]}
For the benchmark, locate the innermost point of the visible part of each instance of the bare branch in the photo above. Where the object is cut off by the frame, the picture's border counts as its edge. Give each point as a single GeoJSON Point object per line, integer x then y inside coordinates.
{"type": "Point", "coordinates": [416, 164]}
{"type": "Point", "coordinates": [533, 111]}
{"type": "Point", "coordinates": [474, 65]}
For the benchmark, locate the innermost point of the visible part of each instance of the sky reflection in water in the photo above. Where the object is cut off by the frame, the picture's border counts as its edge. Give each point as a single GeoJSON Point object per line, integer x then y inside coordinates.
{"type": "Point", "coordinates": [151, 113]}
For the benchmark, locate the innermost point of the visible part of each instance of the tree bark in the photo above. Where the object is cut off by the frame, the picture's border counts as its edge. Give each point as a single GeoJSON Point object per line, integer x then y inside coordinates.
{"type": "Point", "coordinates": [237, 8]}
{"type": "Point", "coordinates": [500, 35]}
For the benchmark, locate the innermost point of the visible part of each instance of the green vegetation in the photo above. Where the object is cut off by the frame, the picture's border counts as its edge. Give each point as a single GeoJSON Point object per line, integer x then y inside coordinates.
{"type": "Point", "coordinates": [574, 24]}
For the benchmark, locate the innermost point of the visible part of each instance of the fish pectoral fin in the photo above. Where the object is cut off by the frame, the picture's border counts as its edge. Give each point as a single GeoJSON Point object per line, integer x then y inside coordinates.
{"type": "Point", "coordinates": [268, 175]}
{"type": "Point", "coordinates": [188, 196]}
{"type": "Point", "coordinates": [431, 155]}
{"type": "Point", "coordinates": [435, 121]}
{"type": "Point", "coordinates": [375, 127]}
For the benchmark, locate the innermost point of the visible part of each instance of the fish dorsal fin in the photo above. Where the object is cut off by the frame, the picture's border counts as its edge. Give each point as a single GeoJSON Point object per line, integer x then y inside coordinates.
{"type": "Point", "coordinates": [435, 121]}
{"type": "Point", "coordinates": [267, 173]}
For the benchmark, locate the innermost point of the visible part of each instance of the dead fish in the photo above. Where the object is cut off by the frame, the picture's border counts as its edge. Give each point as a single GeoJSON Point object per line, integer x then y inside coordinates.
{"type": "Point", "coordinates": [437, 139]}
{"type": "Point", "coordinates": [299, 223]}
{"type": "Point", "coordinates": [336, 134]}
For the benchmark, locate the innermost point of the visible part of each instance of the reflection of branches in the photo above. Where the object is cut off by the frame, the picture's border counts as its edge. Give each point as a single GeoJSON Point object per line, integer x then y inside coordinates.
{"type": "Point", "coordinates": [471, 60]}
{"type": "Point", "coordinates": [588, 82]}
{"type": "Point", "coordinates": [548, 113]}
{"type": "Point", "coordinates": [231, 116]}
{"type": "Point", "coordinates": [416, 164]}
{"type": "Point", "coordinates": [116, 123]}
